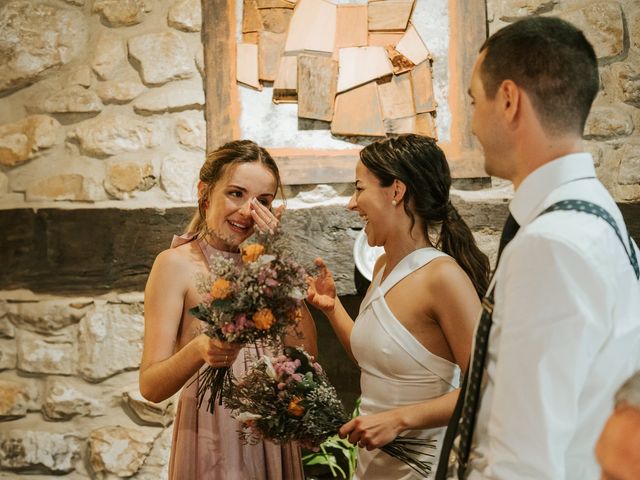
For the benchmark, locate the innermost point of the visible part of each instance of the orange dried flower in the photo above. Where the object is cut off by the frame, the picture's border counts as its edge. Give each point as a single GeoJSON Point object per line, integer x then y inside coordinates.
{"type": "Point", "coordinates": [250, 253]}
{"type": "Point", "coordinates": [263, 318]}
{"type": "Point", "coordinates": [220, 289]}
{"type": "Point", "coordinates": [295, 408]}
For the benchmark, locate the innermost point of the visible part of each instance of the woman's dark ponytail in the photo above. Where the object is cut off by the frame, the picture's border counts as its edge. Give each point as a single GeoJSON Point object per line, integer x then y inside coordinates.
{"type": "Point", "coordinates": [457, 240]}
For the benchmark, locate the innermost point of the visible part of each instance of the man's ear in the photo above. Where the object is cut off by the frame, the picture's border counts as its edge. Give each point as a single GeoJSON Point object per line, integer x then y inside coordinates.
{"type": "Point", "coordinates": [510, 97]}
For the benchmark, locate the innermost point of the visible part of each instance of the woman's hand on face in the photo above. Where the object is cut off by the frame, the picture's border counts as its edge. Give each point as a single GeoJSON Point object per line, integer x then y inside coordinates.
{"type": "Point", "coordinates": [263, 219]}
{"type": "Point", "coordinates": [217, 353]}
{"type": "Point", "coordinates": [372, 431]}
{"type": "Point", "coordinates": [322, 289]}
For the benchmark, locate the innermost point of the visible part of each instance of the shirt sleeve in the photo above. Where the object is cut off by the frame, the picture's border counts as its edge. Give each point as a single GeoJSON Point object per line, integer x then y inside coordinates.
{"type": "Point", "coordinates": [551, 308]}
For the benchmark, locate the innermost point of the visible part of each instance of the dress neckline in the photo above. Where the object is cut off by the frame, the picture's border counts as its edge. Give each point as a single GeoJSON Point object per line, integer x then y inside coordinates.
{"type": "Point", "coordinates": [210, 251]}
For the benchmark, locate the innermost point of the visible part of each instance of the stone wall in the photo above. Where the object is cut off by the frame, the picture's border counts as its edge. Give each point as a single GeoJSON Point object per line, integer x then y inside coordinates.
{"type": "Point", "coordinates": [101, 136]}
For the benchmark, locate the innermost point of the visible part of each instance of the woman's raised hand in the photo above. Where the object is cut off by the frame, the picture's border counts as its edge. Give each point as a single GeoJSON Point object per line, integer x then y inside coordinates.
{"type": "Point", "coordinates": [217, 353]}
{"type": "Point", "coordinates": [322, 289]}
{"type": "Point", "coordinates": [265, 220]}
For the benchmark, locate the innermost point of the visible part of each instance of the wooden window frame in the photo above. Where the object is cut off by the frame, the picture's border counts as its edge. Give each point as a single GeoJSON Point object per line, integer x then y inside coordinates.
{"type": "Point", "coordinates": [307, 165]}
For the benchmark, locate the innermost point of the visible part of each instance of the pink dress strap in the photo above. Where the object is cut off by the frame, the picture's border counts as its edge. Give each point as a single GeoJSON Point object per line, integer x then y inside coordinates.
{"type": "Point", "coordinates": [182, 239]}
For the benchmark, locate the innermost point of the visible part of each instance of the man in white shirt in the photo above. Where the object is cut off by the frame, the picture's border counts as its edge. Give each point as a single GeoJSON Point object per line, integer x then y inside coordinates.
{"type": "Point", "coordinates": [564, 328]}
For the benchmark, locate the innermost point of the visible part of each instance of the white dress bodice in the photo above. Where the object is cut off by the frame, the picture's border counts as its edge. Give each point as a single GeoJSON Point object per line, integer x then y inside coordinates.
{"type": "Point", "coordinates": [396, 369]}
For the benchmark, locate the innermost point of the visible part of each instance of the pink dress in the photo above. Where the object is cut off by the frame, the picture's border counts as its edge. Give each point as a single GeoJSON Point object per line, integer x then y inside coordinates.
{"type": "Point", "coordinates": [207, 446]}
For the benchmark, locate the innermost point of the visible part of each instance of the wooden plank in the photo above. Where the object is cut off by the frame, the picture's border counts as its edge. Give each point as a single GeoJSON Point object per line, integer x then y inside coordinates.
{"type": "Point", "coordinates": [270, 48]}
{"type": "Point", "coordinates": [222, 108]}
{"type": "Point", "coordinates": [400, 125]}
{"type": "Point", "coordinates": [247, 65]}
{"type": "Point", "coordinates": [317, 78]}
{"type": "Point", "coordinates": [285, 86]}
{"type": "Point", "coordinates": [396, 97]}
{"type": "Point", "coordinates": [275, 20]}
{"type": "Point", "coordinates": [250, 37]}
{"type": "Point", "coordinates": [357, 112]}
{"type": "Point", "coordinates": [274, 4]}
{"type": "Point", "coordinates": [351, 26]}
{"type": "Point", "coordinates": [300, 166]}
{"type": "Point", "coordinates": [422, 82]}
{"type": "Point", "coordinates": [383, 39]}
{"type": "Point", "coordinates": [426, 125]}
{"type": "Point", "coordinates": [463, 151]}
{"type": "Point", "coordinates": [251, 21]}
{"type": "Point", "coordinates": [312, 28]}
{"type": "Point", "coordinates": [389, 14]}
{"type": "Point", "coordinates": [399, 62]}
{"type": "Point", "coordinates": [412, 46]}
{"type": "Point", "coordinates": [360, 65]}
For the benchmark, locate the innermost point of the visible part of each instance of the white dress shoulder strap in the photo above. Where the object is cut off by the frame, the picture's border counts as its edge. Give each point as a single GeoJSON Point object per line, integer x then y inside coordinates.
{"type": "Point", "coordinates": [409, 264]}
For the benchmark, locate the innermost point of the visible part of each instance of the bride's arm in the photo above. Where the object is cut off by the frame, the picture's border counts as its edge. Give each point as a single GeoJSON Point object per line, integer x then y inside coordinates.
{"type": "Point", "coordinates": [305, 334]}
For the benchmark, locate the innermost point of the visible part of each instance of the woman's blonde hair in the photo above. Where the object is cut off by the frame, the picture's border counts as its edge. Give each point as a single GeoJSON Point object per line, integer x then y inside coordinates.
{"type": "Point", "coordinates": [231, 153]}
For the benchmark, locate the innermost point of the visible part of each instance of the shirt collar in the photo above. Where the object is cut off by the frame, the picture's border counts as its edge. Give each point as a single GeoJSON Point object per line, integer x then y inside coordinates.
{"type": "Point", "coordinates": [542, 181]}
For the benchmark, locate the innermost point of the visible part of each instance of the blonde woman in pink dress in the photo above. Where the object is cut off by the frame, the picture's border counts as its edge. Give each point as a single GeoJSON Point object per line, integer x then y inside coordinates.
{"type": "Point", "coordinates": [238, 183]}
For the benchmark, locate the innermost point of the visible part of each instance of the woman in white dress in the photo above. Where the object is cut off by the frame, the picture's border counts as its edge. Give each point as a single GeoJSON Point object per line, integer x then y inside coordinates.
{"type": "Point", "coordinates": [415, 326]}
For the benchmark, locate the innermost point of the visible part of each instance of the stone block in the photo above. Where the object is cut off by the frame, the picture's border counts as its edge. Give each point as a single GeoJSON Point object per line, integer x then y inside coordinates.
{"type": "Point", "coordinates": [112, 134]}
{"type": "Point", "coordinates": [68, 186]}
{"type": "Point", "coordinates": [124, 178]}
{"type": "Point", "coordinates": [515, 9]}
{"type": "Point", "coordinates": [185, 15]}
{"type": "Point", "coordinates": [156, 466]}
{"type": "Point", "coordinates": [14, 399]}
{"type": "Point", "coordinates": [608, 122]}
{"type": "Point", "coordinates": [74, 99]}
{"type": "Point", "coordinates": [8, 354]}
{"type": "Point", "coordinates": [179, 176]}
{"type": "Point", "coordinates": [54, 353]}
{"type": "Point", "coordinates": [21, 140]}
{"type": "Point", "coordinates": [603, 25]}
{"type": "Point", "coordinates": [109, 54]}
{"type": "Point", "coordinates": [633, 17]}
{"type": "Point", "coordinates": [37, 37]}
{"type": "Point", "coordinates": [118, 451]}
{"type": "Point", "coordinates": [7, 330]}
{"type": "Point", "coordinates": [39, 451]}
{"type": "Point", "coordinates": [119, 92]}
{"type": "Point", "coordinates": [191, 131]}
{"type": "Point", "coordinates": [119, 13]}
{"type": "Point", "coordinates": [629, 170]}
{"type": "Point", "coordinates": [64, 399]}
{"type": "Point", "coordinates": [629, 81]}
{"type": "Point", "coordinates": [174, 97]}
{"type": "Point", "coordinates": [176, 64]}
{"type": "Point", "coordinates": [48, 316]}
{"type": "Point", "coordinates": [110, 341]}
{"type": "Point", "coordinates": [147, 412]}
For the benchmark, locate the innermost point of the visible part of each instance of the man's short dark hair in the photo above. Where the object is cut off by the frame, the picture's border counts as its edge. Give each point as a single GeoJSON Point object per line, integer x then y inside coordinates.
{"type": "Point", "coordinates": [552, 61]}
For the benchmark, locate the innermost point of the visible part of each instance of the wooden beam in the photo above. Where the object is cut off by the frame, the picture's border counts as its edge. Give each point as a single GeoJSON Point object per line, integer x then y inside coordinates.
{"type": "Point", "coordinates": [218, 39]}
{"type": "Point", "coordinates": [299, 166]}
{"type": "Point", "coordinates": [466, 37]}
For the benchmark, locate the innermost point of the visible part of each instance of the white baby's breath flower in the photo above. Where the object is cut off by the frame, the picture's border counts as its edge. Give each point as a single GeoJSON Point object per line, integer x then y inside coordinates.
{"type": "Point", "coordinates": [245, 417]}
{"type": "Point", "coordinates": [269, 367]}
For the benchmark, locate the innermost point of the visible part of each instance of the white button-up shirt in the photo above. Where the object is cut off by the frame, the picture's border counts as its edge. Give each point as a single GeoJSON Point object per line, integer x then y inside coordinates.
{"type": "Point", "coordinates": [565, 335]}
